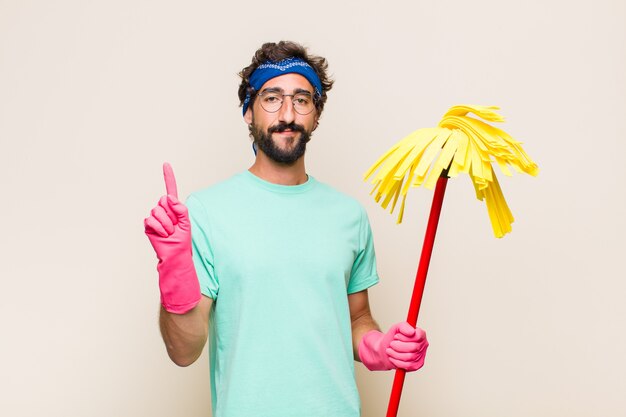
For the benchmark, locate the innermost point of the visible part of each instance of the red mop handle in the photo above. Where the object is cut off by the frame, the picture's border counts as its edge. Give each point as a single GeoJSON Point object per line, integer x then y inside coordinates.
{"type": "Point", "coordinates": [420, 281]}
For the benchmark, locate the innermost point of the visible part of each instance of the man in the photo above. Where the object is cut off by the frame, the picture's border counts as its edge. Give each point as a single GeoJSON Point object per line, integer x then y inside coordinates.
{"type": "Point", "coordinates": [273, 266]}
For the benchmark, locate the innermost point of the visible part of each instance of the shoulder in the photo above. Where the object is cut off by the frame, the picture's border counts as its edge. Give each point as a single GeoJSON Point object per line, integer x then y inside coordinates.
{"type": "Point", "coordinates": [223, 186]}
{"type": "Point", "coordinates": [338, 198]}
{"type": "Point", "coordinates": [217, 196]}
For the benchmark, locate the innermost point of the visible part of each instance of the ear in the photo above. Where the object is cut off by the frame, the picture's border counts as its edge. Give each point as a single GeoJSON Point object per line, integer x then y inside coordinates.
{"type": "Point", "coordinates": [247, 117]}
{"type": "Point", "coordinates": [316, 122]}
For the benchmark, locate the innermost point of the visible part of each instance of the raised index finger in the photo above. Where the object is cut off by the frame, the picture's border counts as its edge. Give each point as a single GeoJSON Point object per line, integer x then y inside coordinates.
{"type": "Point", "coordinates": [170, 181]}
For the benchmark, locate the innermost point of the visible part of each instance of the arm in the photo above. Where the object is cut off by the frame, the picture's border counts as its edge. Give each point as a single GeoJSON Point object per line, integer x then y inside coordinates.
{"type": "Point", "coordinates": [361, 318]}
{"type": "Point", "coordinates": [184, 317]}
{"type": "Point", "coordinates": [185, 335]}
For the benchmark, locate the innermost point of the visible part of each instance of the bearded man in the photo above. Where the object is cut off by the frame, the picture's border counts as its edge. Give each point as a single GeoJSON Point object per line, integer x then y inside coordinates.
{"type": "Point", "coordinates": [273, 267]}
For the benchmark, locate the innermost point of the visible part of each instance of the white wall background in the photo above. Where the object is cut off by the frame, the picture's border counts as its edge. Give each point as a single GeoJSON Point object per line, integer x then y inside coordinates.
{"type": "Point", "coordinates": [95, 95]}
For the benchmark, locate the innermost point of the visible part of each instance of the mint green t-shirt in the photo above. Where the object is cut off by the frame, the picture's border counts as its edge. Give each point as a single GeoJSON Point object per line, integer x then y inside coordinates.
{"type": "Point", "coordinates": [279, 263]}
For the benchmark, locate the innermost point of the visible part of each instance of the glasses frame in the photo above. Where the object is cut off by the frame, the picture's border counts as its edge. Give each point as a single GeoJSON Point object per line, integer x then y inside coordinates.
{"type": "Point", "coordinates": [273, 91]}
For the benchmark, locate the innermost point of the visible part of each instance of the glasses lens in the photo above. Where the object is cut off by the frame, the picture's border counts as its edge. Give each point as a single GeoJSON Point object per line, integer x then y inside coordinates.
{"type": "Point", "coordinates": [271, 101]}
{"type": "Point", "coordinates": [303, 103]}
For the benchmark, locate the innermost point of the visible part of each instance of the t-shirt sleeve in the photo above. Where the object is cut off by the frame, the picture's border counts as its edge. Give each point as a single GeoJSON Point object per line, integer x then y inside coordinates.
{"type": "Point", "coordinates": [364, 273]}
{"type": "Point", "coordinates": [202, 251]}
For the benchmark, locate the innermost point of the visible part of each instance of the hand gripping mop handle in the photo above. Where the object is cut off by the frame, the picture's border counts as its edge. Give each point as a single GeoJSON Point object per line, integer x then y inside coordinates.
{"type": "Point", "coordinates": [420, 281]}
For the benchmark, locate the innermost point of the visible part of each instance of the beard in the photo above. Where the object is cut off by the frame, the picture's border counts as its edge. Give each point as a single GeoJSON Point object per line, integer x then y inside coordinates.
{"type": "Point", "coordinates": [287, 156]}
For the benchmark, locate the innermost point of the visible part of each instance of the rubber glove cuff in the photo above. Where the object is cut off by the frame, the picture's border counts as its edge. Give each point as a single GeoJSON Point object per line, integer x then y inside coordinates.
{"type": "Point", "coordinates": [179, 285]}
{"type": "Point", "coordinates": [372, 352]}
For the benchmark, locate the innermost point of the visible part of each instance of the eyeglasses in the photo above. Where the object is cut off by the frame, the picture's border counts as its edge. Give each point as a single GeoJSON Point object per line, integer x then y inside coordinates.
{"type": "Point", "coordinates": [272, 101]}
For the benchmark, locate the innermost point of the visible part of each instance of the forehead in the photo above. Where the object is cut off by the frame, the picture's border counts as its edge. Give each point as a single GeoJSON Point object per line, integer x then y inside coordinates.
{"type": "Point", "coordinates": [288, 82]}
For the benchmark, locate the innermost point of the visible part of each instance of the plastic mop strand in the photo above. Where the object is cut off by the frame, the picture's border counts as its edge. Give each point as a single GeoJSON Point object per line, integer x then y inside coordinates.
{"type": "Point", "coordinates": [459, 144]}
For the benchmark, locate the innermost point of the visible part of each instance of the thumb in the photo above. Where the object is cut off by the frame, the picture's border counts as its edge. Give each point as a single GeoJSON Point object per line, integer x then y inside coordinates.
{"type": "Point", "coordinates": [180, 211]}
{"type": "Point", "coordinates": [178, 208]}
{"type": "Point", "coordinates": [406, 329]}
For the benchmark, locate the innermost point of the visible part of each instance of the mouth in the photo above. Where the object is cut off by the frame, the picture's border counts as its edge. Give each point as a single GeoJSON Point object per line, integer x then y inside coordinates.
{"type": "Point", "coordinates": [287, 136]}
{"type": "Point", "coordinates": [286, 132]}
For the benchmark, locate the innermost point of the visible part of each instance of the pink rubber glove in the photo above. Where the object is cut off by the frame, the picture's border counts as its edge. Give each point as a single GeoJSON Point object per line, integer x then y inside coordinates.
{"type": "Point", "coordinates": [403, 346]}
{"type": "Point", "coordinates": [169, 231]}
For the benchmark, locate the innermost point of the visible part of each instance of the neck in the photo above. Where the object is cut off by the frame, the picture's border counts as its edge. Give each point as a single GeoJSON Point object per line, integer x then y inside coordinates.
{"type": "Point", "coordinates": [277, 173]}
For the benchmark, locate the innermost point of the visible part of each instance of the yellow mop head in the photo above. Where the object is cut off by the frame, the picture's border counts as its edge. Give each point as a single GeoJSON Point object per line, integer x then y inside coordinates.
{"type": "Point", "coordinates": [461, 144]}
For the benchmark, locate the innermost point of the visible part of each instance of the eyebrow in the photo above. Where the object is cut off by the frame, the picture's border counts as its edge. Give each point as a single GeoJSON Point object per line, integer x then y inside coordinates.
{"type": "Point", "coordinates": [280, 90]}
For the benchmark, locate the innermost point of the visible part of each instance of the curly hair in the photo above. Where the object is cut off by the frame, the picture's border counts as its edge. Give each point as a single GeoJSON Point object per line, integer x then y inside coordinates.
{"type": "Point", "coordinates": [275, 52]}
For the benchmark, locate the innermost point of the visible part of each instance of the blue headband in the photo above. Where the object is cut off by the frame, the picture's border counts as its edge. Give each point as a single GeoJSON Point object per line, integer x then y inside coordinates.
{"type": "Point", "coordinates": [268, 70]}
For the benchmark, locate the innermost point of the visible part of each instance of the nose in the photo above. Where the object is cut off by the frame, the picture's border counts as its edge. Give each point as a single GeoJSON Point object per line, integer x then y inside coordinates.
{"type": "Point", "coordinates": [286, 113]}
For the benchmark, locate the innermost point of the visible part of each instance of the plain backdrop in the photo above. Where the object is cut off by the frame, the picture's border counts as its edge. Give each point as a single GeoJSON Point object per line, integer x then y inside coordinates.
{"type": "Point", "coordinates": [95, 95]}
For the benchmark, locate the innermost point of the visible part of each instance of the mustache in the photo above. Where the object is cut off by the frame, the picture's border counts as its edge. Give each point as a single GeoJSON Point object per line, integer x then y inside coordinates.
{"type": "Point", "coordinates": [281, 127]}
